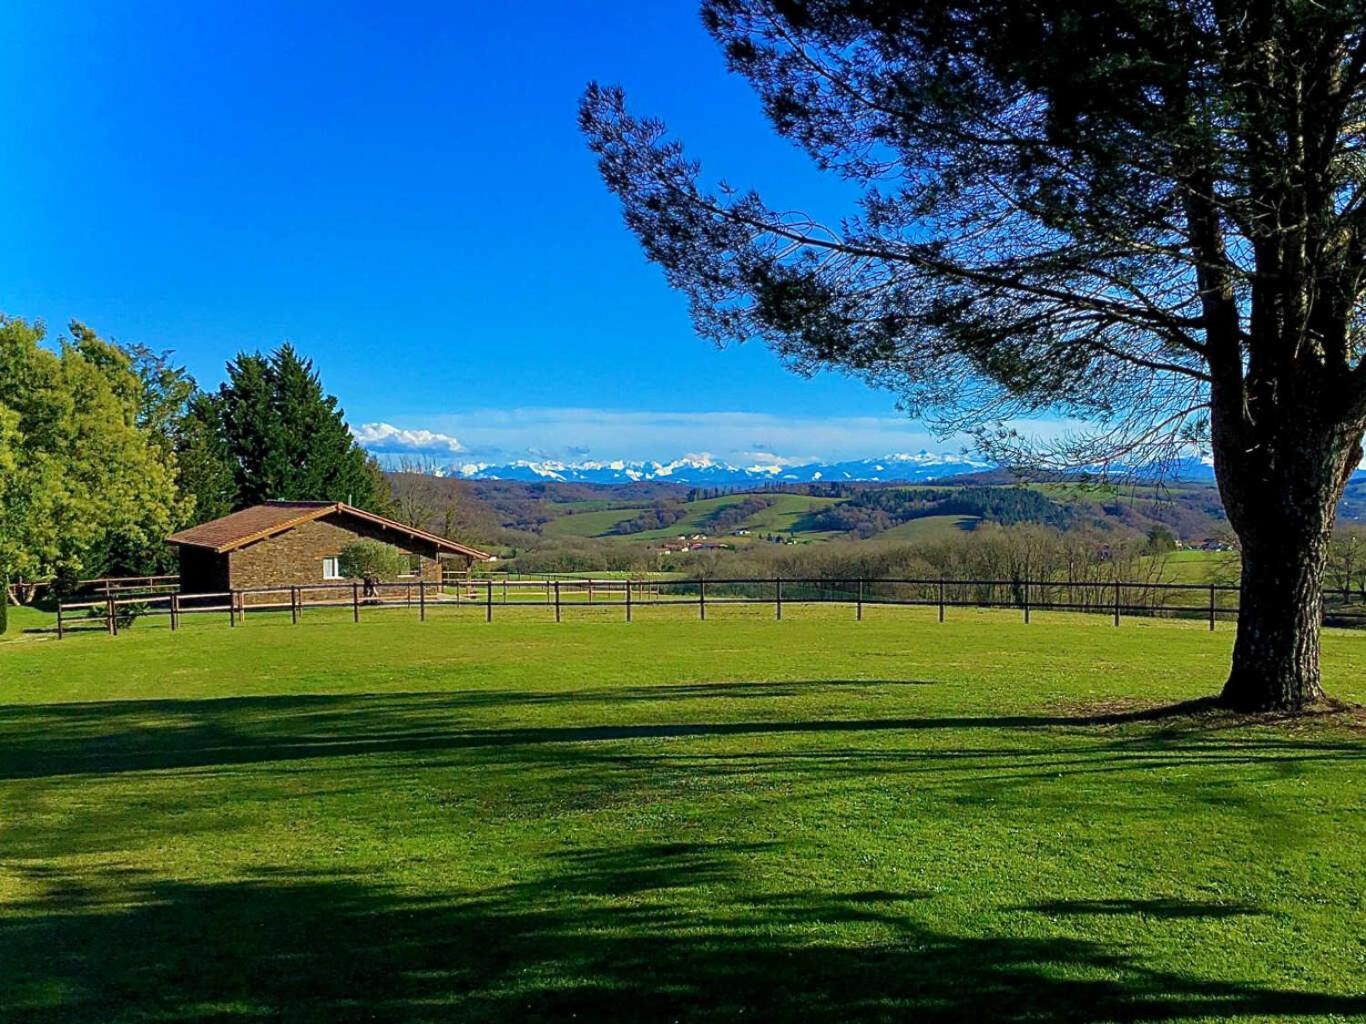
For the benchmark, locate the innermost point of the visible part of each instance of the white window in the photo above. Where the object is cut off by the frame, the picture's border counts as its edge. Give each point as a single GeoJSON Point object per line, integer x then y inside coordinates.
{"type": "Point", "coordinates": [331, 569]}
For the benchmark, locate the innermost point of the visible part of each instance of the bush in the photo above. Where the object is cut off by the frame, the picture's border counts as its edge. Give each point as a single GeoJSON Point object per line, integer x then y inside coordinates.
{"type": "Point", "coordinates": [4, 605]}
{"type": "Point", "coordinates": [372, 562]}
{"type": "Point", "coordinates": [124, 614]}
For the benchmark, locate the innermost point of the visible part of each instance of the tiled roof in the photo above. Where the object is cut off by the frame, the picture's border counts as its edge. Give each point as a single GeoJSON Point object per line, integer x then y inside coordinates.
{"type": "Point", "coordinates": [261, 521]}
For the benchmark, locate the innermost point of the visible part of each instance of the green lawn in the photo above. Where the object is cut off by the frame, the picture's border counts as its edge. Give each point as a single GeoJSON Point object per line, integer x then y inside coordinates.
{"type": "Point", "coordinates": [671, 820]}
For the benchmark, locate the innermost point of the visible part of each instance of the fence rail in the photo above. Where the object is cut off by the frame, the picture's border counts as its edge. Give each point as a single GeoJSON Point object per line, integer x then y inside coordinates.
{"type": "Point", "coordinates": [1113, 598]}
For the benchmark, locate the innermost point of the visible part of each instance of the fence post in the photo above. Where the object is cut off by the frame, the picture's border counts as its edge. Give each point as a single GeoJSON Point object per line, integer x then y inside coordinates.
{"type": "Point", "coordinates": [590, 591]}
{"type": "Point", "coordinates": [111, 624]}
{"type": "Point", "coordinates": [702, 599]}
{"type": "Point", "coordinates": [941, 598]}
{"type": "Point", "coordinates": [488, 601]}
{"type": "Point", "coordinates": [294, 605]}
{"type": "Point", "coordinates": [232, 607]}
{"type": "Point", "coordinates": [860, 601]}
{"type": "Point", "coordinates": [1026, 601]}
{"type": "Point", "coordinates": [421, 600]}
{"type": "Point", "coordinates": [60, 634]}
{"type": "Point", "coordinates": [1211, 607]}
{"type": "Point", "coordinates": [175, 614]}
{"type": "Point", "coordinates": [557, 600]}
{"type": "Point", "coordinates": [1116, 602]}
{"type": "Point", "coordinates": [628, 599]}
{"type": "Point", "coordinates": [355, 602]}
{"type": "Point", "coordinates": [778, 597]}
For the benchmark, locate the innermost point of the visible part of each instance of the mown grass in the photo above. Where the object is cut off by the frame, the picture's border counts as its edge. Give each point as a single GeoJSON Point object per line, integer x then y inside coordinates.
{"type": "Point", "coordinates": [671, 820]}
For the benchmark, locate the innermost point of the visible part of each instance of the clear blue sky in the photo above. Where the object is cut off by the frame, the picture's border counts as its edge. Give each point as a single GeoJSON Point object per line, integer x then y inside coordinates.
{"type": "Point", "coordinates": [401, 191]}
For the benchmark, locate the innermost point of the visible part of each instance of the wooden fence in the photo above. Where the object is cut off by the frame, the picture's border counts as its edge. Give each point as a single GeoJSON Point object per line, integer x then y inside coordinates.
{"type": "Point", "coordinates": [1113, 598]}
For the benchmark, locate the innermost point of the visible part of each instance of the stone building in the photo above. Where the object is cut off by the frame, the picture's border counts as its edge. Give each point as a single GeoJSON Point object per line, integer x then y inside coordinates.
{"type": "Point", "coordinates": [297, 543]}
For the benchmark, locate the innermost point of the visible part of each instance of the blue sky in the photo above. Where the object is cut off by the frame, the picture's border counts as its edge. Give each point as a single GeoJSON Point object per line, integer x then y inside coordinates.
{"type": "Point", "coordinates": [401, 191]}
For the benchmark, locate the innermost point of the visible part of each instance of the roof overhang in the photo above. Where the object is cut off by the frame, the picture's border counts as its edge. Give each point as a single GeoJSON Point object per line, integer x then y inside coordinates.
{"type": "Point", "coordinates": [320, 511]}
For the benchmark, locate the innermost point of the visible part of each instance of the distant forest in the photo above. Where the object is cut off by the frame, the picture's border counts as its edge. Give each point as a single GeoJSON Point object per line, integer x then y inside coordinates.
{"type": "Point", "coordinates": [872, 511]}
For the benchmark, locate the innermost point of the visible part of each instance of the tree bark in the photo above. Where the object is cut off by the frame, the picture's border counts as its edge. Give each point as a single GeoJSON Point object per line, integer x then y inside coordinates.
{"type": "Point", "coordinates": [1283, 512]}
{"type": "Point", "coordinates": [1276, 654]}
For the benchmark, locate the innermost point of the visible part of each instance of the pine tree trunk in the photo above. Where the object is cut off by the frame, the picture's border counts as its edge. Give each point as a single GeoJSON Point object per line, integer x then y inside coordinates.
{"type": "Point", "coordinates": [1276, 654]}
{"type": "Point", "coordinates": [1283, 511]}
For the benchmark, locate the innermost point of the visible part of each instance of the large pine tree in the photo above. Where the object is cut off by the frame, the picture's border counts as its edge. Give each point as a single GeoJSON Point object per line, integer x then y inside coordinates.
{"type": "Point", "coordinates": [1148, 214]}
{"type": "Point", "coordinates": [287, 439]}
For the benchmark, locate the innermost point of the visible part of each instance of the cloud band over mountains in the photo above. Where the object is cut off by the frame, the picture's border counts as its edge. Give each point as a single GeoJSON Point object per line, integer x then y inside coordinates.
{"type": "Point", "coordinates": [576, 433]}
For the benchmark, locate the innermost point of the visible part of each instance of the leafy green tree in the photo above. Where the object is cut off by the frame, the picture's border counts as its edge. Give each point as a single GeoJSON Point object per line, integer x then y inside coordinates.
{"type": "Point", "coordinates": [179, 420]}
{"type": "Point", "coordinates": [80, 481]}
{"type": "Point", "coordinates": [372, 562]}
{"type": "Point", "coordinates": [286, 438]}
{"type": "Point", "coordinates": [1148, 214]}
{"type": "Point", "coordinates": [1160, 540]}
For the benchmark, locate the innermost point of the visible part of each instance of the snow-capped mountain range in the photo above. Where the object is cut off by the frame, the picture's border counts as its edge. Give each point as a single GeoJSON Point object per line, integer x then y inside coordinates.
{"type": "Point", "coordinates": [705, 470]}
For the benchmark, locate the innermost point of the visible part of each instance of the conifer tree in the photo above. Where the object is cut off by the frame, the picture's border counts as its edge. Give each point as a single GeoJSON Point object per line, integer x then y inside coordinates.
{"type": "Point", "coordinates": [287, 439]}
{"type": "Point", "coordinates": [1145, 214]}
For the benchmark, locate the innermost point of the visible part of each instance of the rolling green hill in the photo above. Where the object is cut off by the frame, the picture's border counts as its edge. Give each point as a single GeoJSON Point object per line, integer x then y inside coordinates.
{"type": "Point", "coordinates": [594, 523]}
{"type": "Point", "coordinates": [1191, 513]}
{"type": "Point", "coordinates": [930, 528]}
{"type": "Point", "coordinates": [785, 513]}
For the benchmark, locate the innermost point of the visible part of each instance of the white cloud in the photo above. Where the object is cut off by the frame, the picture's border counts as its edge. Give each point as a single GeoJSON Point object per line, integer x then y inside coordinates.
{"type": "Point", "coordinates": [385, 437]}
{"type": "Point", "coordinates": [573, 434]}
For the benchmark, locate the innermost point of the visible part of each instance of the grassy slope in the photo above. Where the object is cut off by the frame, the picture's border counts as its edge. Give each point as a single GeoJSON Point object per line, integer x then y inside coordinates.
{"type": "Point", "coordinates": [668, 820]}
{"type": "Point", "coordinates": [1200, 566]}
{"type": "Point", "coordinates": [784, 515]}
{"type": "Point", "coordinates": [593, 523]}
{"type": "Point", "coordinates": [930, 528]}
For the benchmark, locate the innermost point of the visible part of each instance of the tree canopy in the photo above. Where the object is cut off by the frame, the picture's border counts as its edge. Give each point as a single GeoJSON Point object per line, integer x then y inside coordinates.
{"type": "Point", "coordinates": [79, 478]}
{"type": "Point", "coordinates": [1053, 195]}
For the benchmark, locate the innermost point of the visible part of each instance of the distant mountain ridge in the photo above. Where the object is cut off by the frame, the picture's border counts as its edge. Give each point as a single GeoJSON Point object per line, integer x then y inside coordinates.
{"type": "Point", "coordinates": [705, 470]}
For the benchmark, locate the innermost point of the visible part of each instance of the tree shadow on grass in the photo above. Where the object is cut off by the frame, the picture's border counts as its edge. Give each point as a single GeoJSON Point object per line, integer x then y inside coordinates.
{"type": "Point", "coordinates": [113, 737]}
{"type": "Point", "coordinates": [1170, 909]}
{"type": "Point", "coordinates": [637, 933]}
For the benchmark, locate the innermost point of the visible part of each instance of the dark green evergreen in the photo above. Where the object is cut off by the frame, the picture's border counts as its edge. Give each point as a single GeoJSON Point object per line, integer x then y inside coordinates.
{"type": "Point", "coordinates": [286, 438]}
{"type": "Point", "coordinates": [203, 460]}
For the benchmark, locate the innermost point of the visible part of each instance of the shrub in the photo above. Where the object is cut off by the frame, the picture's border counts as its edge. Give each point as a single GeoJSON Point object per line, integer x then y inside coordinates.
{"type": "Point", "coordinates": [371, 561]}
{"type": "Point", "coordinates": [4, 605]}
{"type": "Point", "coordinates": [124, 614]}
